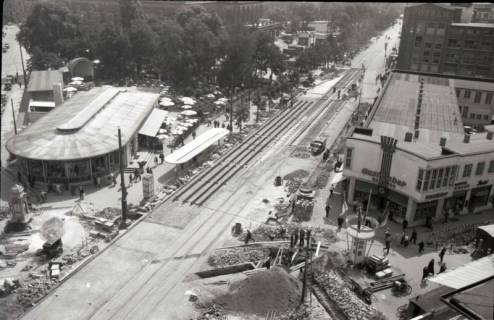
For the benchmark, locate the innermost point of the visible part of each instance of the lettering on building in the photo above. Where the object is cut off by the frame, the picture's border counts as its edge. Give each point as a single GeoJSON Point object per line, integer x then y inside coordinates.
{"type": "Point", "coordinates": [483, 182]}
{"type": "Point", "coordinates": [390, 181]}
{"type": "Point", "coordinates": [461, 186]}
{"type": "Point", "coordinates": [436, 195]}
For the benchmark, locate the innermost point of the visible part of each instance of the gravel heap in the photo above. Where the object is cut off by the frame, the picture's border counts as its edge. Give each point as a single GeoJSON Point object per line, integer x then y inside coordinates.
{"type": "Point", "coordinates": [296, 175]}
{"type": "Point", "coordinates": [228, 257]}
{"type": "Point", "coordinates": [263, 291]}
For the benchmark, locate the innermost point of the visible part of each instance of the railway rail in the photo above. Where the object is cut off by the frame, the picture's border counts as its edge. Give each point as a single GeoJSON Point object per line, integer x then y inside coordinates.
{"type": "Point", "coordinates": [204, 185]}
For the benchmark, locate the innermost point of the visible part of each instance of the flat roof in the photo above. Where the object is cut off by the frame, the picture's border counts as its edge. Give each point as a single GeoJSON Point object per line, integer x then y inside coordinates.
{"type": "Point", "coordinates": [196, 146]}
{"type": "Point", "coordinates": [476, 300]}
{"type": "Point", "coordinates": [473, 25]}
{"type": "Point", "coordinates": [127, 109]}
{"type": "Point", "coordinates": [472, 84]}
{"type": "Point", "coordinates": [395, 115]}
{"type": "Point", "coordinates": [44, 80]}
{"type": "Point", "coordinates": [153, 124]}
{"type": "Point", "coordinates": [467, 274]}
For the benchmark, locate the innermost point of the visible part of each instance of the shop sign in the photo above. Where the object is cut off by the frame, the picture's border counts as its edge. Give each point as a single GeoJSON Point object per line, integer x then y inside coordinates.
{"type": "Point", "coordinates": [482, 182]}
{"type": "Point", "coordinates": [391, 181]}
{"type": "Point", "coordinates": [436, 195]}
{"type": "Point", "coordinates": [461, 186]}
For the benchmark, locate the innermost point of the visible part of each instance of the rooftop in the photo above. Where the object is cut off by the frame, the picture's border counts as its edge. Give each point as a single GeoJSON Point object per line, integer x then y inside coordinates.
{"type": "Point", "coordinates": [476, 300]}
{"type": "Point", "coordinates": [467, 274]}
{"type": "Point", "coordinates": [474, 25]}
{"type": "Point", "coordinates": [85, 126]}
{"type": "Point", "coordinates": [395, 115]}
{"type": "Point", "coordinates": [44, 80]}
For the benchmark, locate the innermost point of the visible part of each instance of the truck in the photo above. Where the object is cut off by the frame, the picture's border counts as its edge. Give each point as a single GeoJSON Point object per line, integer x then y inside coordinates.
{"type": "Point", "coordinates": [304, 202]}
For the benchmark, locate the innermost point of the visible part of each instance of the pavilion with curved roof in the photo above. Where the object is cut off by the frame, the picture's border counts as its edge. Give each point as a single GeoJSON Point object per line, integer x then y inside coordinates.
{"type": "Point", "coordinates": [78, 140]}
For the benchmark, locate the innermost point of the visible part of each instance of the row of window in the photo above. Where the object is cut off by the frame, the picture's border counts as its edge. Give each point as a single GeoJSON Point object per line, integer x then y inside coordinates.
{"type": "Point", "coordinates": [469, 44]}
{"type": "Point", "coordinates": [479, 169]}
{"type": "Point", "coordinates": [467, 94]}
{"type": "Point", "coordinates": [469, 58]}
{"type": "Point", "coordinates": [436, 178]}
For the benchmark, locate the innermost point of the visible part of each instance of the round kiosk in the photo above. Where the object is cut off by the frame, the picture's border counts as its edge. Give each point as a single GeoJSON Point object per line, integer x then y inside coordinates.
{"type": "Point", "coordinates": [359, 235]}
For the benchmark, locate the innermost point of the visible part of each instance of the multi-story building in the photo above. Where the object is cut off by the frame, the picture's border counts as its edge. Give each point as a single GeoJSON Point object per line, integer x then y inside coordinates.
{"type": "Point", "coordinates": [436, 39]}
{"type": "Point", "coordinates": [483, 12]}
{"type": "Point", "coordinates": [413, 156]}
{"type": "Point", "coordinates": [475, 100]}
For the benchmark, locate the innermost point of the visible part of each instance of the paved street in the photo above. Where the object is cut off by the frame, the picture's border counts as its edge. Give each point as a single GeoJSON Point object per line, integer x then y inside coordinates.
{"type": "Point", "coordinates": [151, 261]}
{"type": "Point", "coordinates": [11, 63]}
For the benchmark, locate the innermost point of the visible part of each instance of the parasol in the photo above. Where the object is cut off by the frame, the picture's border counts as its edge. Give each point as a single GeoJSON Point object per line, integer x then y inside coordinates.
{"type": "Point", "coordinates": [188, 100]}
{"type": "Point", "coordinates": [70, 89]}
{"type": "Point", "coordinates": [162, 136]}
{"type": "Point", "coordinates": [77, 79]}
{"type": "Point", "coordinates": [188, 113]}
{"type": "Point", "coordinates": [186, 106]}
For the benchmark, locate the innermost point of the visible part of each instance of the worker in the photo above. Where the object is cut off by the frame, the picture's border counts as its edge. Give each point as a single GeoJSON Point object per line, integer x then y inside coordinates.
{"type": "Point", "coordinates": [421, 246]}
{"type": "Point", "coordinates": [331, 190]}
{"type": "Point", "coordinates": [387, 246]}
{"type": "Point", "coordinates": [327, 208]}
{"type": "Point", "coordinates": [340, 223]}
{"type": "Point", "coordinates": [81, 193]}
{"type": "Point", "coordinates": [425, 273]}
{"type": "Point", "coordinates": [441, 254]}
{"type": "Point", "coordinates": [387, 234]}
{"type": "Point", "coordinates": [430, 266]}
{"type": "Point", "coordinates": [413, 239]}
{"type": "Point", "coordinates": [406, 241]}
{"type": "Point", "coordinates": [405, 224]}
{"type": "Point", "coordinates": [249, 237]}
{"type": "Point", "coordinates": [302, 235]}
{"type": "Point", "coordinates": [162, 157]}
{"type": "Point", "coordinates": [295, 237]}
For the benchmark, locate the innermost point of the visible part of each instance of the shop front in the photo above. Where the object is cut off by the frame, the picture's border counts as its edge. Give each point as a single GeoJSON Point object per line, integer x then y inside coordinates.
{"type": "Point", "coordinates": [425, 209]}
{"type": "Point", "coordinates": [479, 198]}
{"type": "Point", "coordinates": [396, 202]}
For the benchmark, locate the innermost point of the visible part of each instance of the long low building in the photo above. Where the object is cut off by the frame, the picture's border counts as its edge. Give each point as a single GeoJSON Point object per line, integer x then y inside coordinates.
{"type": "Point", "coordinates": [413, 155]}
{"type": "Point", "coordinates": [78, 140]}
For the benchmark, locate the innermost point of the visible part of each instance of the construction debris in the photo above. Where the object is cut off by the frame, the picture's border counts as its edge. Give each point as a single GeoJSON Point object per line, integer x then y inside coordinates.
{"type": "Point", "coordinates": [296, 175]}
{"type": "Point", "coordinates": [228, 257]}
{"type": "Point", "coordinates": [211, 311]}
{"type": "Point", "coordinates": [34, 290]}
{"type": "Point", "coordinates": [353, 307]}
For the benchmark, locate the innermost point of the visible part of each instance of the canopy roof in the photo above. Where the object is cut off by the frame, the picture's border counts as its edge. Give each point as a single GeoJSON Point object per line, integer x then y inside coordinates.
{"type": "Point", "coordinates": [44, 80]}
{"type": "Point", "coordinates": [153, 123]}
{"type": "Point", "coordinates": [467, 274]}
{"type": "Point", "coordinates": [85, 126]}
{"type": "Point", "coordinates": [196, 146]}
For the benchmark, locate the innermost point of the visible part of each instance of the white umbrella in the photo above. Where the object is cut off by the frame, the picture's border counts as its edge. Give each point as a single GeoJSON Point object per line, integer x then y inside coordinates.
{"type": "Point", "coordinates": [161, 131]}
{"type": "Point", "coordinates": [165, 99]}
{"type": "Point", "coordinates": [167, 103]}
{"type": "Point", "coordinates": [223, 99]}
{"type": "Point", "coordinates": [77, 79]}
{"type": "Point", "coordinates": [70, 89]}
{"type": "Point", "coordinates": [188, 100]}
{"type": "Point", "coordinates": [186, 106]}
{"type": "Point", "coordinates": [186, 124]}
{"type": "Point", "coordinates": [75, 83]}
{"type": "Point", "coordinates": [175, 132]}
{"type": "Point", "coordinates": [210, 96]}
{"type": "Point", "coordinates": [188, 113]}
{"type": "Point", "coordinates": [220, 103]}
{"type": "Point", "coordinates": [217, 92]}
{"type": "Point", "coordinates": [162, 136]}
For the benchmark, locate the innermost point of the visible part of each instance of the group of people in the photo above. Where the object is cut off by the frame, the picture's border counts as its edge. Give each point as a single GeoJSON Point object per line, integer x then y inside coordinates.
{"type": "Point", "coordinates": [428, 270]}
{"type": "Point", "coordinates": [299, 237]}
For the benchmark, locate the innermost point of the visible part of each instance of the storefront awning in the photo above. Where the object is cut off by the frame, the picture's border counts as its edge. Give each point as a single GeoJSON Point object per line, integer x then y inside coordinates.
{"type": "Point", "coordinates": [192, 149]}
{"type": "Point", "coordinates": [44, 104]}
{"type": "Point", "coordinates": [153, 123]}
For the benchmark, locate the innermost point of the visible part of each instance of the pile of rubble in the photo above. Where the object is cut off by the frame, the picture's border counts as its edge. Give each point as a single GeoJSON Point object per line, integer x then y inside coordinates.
{"type": "Point", "coordinates": [4, 212]}
{"type": "Point", "coordinates": [228, 257]}
{"type": "Point", "coordinates": [275, 233]}
{"type": "Point", "coordinates": [353, 307]}
{"type": "Point", "coordinates": [296, 175]}
{"type": "Point", "coordinates": [210, 311]}
{"type": "Point", "coordinates": [34, 289]}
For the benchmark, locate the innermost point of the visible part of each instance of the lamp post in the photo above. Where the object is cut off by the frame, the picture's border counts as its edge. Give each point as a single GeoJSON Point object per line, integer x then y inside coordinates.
{"type": "Point", "coordinates": [123, 224]}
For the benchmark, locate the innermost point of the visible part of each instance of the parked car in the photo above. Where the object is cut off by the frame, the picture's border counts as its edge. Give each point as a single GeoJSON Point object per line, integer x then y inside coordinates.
{"type": "Point", "coordinates": [318, 145]}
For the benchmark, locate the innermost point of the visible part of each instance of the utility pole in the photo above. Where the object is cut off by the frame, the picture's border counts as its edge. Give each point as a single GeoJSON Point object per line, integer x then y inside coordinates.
{"type": "Point", "coordinates": [13, 115]}
{"type": "Point", "coordinates": [231, 109]}
{"type": "Point", "coordinates": [23, 69]}
{"type": "Point", "coordinates": [122, 182]}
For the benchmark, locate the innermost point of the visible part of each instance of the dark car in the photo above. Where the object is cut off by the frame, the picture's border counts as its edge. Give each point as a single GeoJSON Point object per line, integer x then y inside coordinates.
{"type": "Point", "coordinates": [318, 145]}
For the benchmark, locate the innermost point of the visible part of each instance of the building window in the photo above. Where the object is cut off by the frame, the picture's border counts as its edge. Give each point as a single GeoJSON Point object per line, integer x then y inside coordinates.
{"type": "Point", "coordinates": [458, 91]}
{"type": "Point", "coordinates": [472, 115]}
{"type": "Point", "coordinates": [452, 177]}
{"type": "Point", "coordinates": [439, 178]}
{"type": "Point", "coordinates": [491, 166]}
{"type": "Point", "coordinates": [452, 43]}
{"type": "Point", "coordinates": [348, 158]}
{"type": "Point", "coordinates": [433, 179]}
{"type": "Point", "coordinates": [486, 45]}
{"type": "Point", "coordinates": [446, 176]}
{"type": "Point", "coordinates": [438, 46]}
{"type": "Point", "coordinates": [480, 168]}
{"type": "Point", "coordinates": [421, 177]}
{"type": "Point", "coordinates": [420, 28]}
{"type": "Point", "coordinates": [451, 57]}
{"type": "Point", "coordinates": [469, 44]}
{"type": "Point", "coordinates": [418, 41]}
{"type": "Point", "coordinates": [486, 117]}
{"type": "Point", "coordinates": [434, 68]}
{"type": "Point", "coordinates": [467, 94]}
{"type": "Point", "coordinates": [467, 170]}
{"type": "Point", "coordinates": [428, 45]}
{"type": "Point", "coordinates": [478, 96]}
{"type": "Point", "coordinates": [488, 98]}
{"type": "Point", "coordinates": [426, 182]}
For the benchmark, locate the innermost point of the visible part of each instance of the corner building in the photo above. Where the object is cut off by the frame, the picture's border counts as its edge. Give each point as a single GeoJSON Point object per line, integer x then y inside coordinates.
{"type": "Point", "coordinates": [414, 155]}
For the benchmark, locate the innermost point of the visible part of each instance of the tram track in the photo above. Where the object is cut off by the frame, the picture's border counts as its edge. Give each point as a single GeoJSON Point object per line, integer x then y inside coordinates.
{"type": "Point", "coordinates": [208, 182]}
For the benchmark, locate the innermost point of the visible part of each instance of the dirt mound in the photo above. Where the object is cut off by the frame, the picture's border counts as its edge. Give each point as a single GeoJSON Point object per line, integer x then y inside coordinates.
{"type": "Point", "coordinates": [296, 175]}
{"type": "Point", "coordinates": [263, 291]}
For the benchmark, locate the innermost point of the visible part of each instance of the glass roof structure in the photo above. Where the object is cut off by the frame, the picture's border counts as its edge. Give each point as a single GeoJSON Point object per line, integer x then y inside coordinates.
{"type": "Point", "coordinates": [86, 125]}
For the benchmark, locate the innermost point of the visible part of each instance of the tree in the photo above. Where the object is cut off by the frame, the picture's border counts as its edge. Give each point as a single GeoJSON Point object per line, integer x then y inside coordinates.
{"type": "Point", "coordinates": [114, 52]}
{"type": "Point", "coordinates": [51, 28]}
{"type": "Point", "coordinates": [267, 55]}
{"type": "Point", "coordinates": [130, 10]}
{"type": "Point", "coordinates": [142, 41]}
{"type": "Point", "coordinates": [42, 60]}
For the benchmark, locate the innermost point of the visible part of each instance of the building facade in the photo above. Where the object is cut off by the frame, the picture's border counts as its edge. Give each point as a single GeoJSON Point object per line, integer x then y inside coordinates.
{"type": "Point", "coordinates": [475, 100]}
{"type": "Point", "coordinates": [483, 12]}
{"type": "Point", "coordinates": [434, 39]}
{"type": "Point", "coordinates": [413, 157]}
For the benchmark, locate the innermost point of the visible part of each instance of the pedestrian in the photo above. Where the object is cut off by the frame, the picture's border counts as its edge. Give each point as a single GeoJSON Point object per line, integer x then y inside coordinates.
{"type": "Point", "coordinates": [406, 241]}
{"type": "Point", "coordinates": [327, 208]}
{"type": "Point", "coordinates": [137, 174]}
{"type": "Point", "coordinates": [405, 224]}
{"type": "Point", "coordinates": [428, 222]}
{"type": "Point", "coordinates": [19, 177]}
{"type": "Point", "coordinates": [113, 180]}
{"type": "Point", "coordinates": [387, 235]}
{"type": "Point", "coordinates": [387, 246]}
{"type": "Point", "coordinates": [155, 161]}
{"type": "Point", "coordinates": [148, 170]}
{"type": "Point", "coordinates": [193, 135]}
{"type": "Point", "coordinates": [248, 237]}
{"type": "Point", "coordinates": [413, 239]}
{"type": "Point", "coordinates": [425, 273]}
{"type": "Point", "coordinates": [340, 222]}
{"type": "Point", "coordinates": [43, 196]}
{"type": "Point", "coordinates": [98, 182]}
{"type": "Point", "coordinates": [295, 238]}
{"type": "Point", "coordinates": [268, 263]}
{"type": "Point", "coordinates": [431, 266]}
{"type": "Point", "coordinates": [302, 235]}
{"type": "Point", "coordinates": [402, 241]}
{"type": "Point", "coordinates": [421, 246]}
{"type": "Point", "coordinates": [81, 193]}
{"type": "Point", "coordinates": [443, 267]}
{"type": "Point", "coordinates": [223, 125]}
{"type": "Point", "coordinates": [162, 157]}
{"type": "Point", "coordinates": [331, 190]}
{"type": "Point", "coordinates": [441, 254]}
{"type": "Point", "coordinates": [291, 240]}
